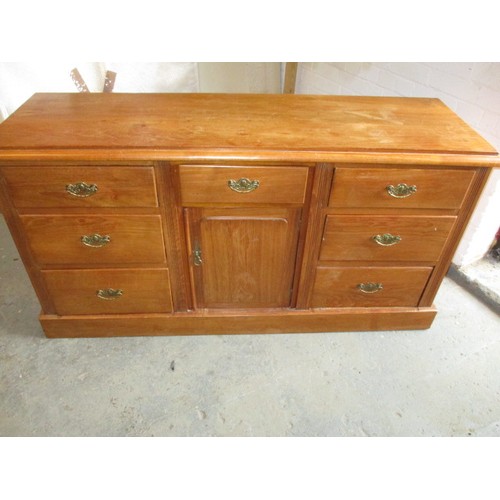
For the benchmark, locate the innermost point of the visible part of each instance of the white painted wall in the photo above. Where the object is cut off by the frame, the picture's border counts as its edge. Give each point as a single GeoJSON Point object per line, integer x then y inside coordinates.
{"type": "Point", "coordinates": [472, 90]}
{"type": "Point", "coordinates": [240, 77]}
{"type": "Point", "coordinates": [19, 81]}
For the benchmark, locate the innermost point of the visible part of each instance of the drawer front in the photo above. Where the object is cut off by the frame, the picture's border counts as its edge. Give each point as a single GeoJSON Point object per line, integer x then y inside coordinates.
{"type": "Point", "coordinates": [110, 239]}
{"type": "Point", "coordinates": [109, 291]}
{"type": "Point", "coordinates": [369, 286]}
{"type": "Point", "coordinates": [242, 185]}
{"type": "Point", "coordinates": [81, 186]}
{"type": "Point", "coordinates": [419, 188]}
{"type": "Point", "coordinates": [385, 238]}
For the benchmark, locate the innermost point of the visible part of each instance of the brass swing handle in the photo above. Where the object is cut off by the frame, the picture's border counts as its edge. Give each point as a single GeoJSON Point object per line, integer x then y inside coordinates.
{"type": "Point", "coordinates": [109, 293]}
{"type": "Point", "coordinates": [386, 239]}
{"type": "Point", "coordinates": [95, 240]}
{"type": "Point", "coordinates": [243, 185]}
{"type": "Point", "coordinates": [401, 190]}
{"type": "Point", "coordinates": [81, 189]}
{"type": "Point", "coordinates": [370, 287]}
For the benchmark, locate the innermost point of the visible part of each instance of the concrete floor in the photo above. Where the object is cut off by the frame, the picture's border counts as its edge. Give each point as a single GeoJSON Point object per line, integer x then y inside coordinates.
{"type": "Point", "coordinates": [441, 382]}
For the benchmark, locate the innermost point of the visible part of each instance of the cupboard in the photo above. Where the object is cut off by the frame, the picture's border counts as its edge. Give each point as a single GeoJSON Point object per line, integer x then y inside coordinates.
{"type": "Point", "coordinates": [158, 214]}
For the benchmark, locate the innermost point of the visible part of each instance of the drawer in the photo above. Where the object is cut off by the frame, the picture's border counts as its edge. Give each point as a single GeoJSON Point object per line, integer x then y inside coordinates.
{"type": "Point", "coordinates": [242, 185]}
{"type": "Point", "coordinates": [369, 286]}
{"type": "Point", "coordinates": [109, 291]}
{"type": "Point", "coordinates": [112, 186]}
{"type": "Point", "coordinates": [109, 239]}
{"type": "Point", "coordinates": [385, 238]}
{"type": "Point", "coordinates": [426, 188]}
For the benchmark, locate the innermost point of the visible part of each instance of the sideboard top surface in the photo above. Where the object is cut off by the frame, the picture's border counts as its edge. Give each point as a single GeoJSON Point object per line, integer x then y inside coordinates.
{"type": "Point", "coordinates": [239, 125]}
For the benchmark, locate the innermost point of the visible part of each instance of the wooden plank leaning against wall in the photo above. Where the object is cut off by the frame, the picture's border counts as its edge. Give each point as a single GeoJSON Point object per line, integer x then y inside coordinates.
{"type": "Point", "coordinates": [290, 77]}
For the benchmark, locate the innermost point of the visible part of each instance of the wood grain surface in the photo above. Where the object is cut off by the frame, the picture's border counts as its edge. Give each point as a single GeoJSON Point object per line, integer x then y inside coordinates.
{"type": "Point", "coordinates": [214, 122]}
{"type": "Point", "coordinates": [350, 238]}
{"type": "Point", "coordinates": [367, 187]}
{"type": "Point", "coordinates": [75, 291]}
{"type": "Point", "coordinates": [239, 322]}
{"type": "Point", "coordinates": [248, 256]}
{"type": "Point", "coordinates": [117, 186]}
{"type": "Point", "coordinates": [337, 286]}
{"type": "Point", "coordinates": [56, 239]}
{"type": "Point", "coordinates": [209, 184]}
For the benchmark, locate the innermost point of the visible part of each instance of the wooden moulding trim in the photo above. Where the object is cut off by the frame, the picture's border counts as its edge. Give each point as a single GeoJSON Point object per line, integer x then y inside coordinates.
{"type": "Point", "coordinates": [214, 154]}
{"type": "Point", "coordinates": [203, 323]}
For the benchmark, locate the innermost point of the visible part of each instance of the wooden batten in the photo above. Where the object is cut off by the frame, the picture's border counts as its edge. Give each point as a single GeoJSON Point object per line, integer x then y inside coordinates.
{"type": "Point", "coordinates": [291, 69]}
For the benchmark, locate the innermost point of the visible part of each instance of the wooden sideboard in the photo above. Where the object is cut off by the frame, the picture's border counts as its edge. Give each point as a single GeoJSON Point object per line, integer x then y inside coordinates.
{"type": "Point", "coordinates": [170, 214]}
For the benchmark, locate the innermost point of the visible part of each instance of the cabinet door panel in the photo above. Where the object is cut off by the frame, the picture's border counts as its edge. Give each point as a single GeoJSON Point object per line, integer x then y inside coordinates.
{"type": "Point", "coordinates": [245, 257]}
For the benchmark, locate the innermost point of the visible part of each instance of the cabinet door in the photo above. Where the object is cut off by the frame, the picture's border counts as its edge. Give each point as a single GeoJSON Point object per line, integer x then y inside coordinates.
{"type": "Point", "coordinates": [242, 258]}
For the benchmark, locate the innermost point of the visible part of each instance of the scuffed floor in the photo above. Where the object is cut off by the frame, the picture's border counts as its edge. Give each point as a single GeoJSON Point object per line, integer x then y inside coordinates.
{"type": "Point", "coordinates": [441, 382]}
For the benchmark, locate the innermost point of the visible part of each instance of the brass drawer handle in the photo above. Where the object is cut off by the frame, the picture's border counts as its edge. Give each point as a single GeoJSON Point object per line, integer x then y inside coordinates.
{"type": "Point", "coordinates": [386, 240]}
{"type": "Point", "coordinates": [243, 185]}
{"type": "Point", "coordinates": [95, 240]}
{"type": "Point", "coordinates": [81, 189]}
{"type": "Point", "coordinates": [109, 294]}
{"type": "Point", "coordinates": [401, 190]}
{"type": "Point", "coordinates": [370, 287]}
